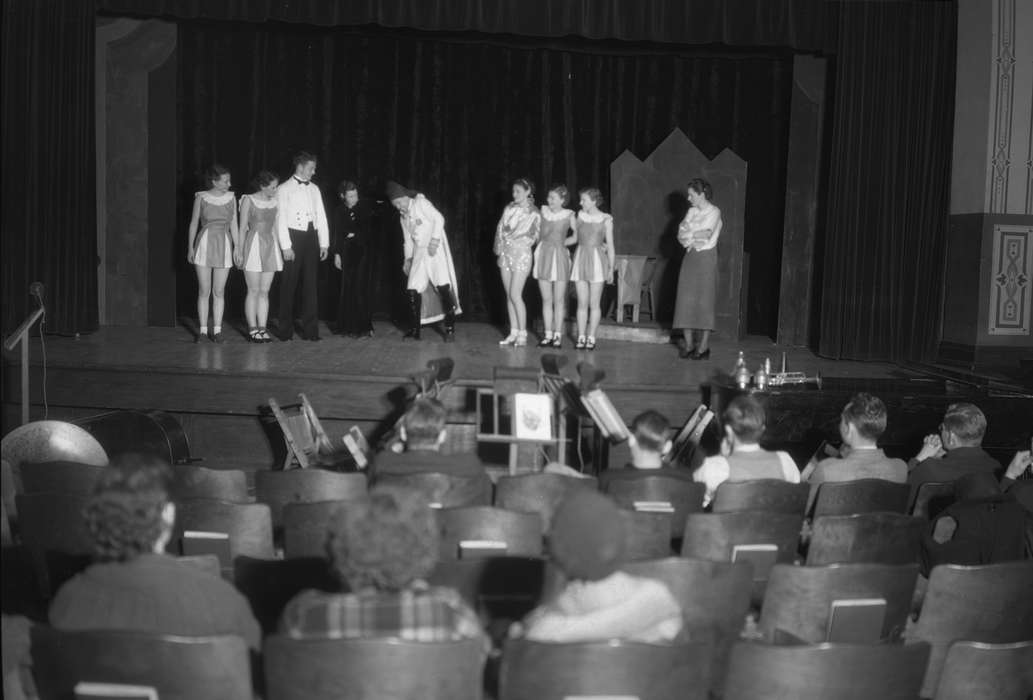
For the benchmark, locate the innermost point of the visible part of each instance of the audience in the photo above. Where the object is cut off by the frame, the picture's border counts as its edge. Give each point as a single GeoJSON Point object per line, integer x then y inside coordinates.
{"type": "Point", "coordinates": [382, 549]}
{"type": "Point", "coordinates": [422, 433]}
{"type": "Point", "coordinates": [599, 602]}
{"type": "Point", "coordinates": [134, 585]}
{"type": "Point", "coordinates": [649, 443]}
{"type": "Point", "coordinates": [956, 451]}
{"type": "Point", "coordinates": [742, 458]}
{"type": "Point", "coordinates": [983, 526]}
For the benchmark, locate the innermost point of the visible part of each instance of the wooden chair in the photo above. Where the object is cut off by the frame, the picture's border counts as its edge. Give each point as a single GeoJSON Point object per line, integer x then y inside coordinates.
{"type": "Point", "coordinates": [824, 671]}
{"type": "Point", "coordinates": [990, 604]}
{"type": "Point", "coordinates": [877, 538]}
{"type": "Point", "coordinates": [646, 535]}
{"type": "Point", "coordinates": [537, 493]}
{"type": "Point", "coordinates": [248, 525]}
{"type": "Point", "coordinates": [798, 599]}
{"type": "Point", "coordinates": [772, 495]}
{"type": "Point", "coordinates": [516, 534]}
{"type": "Point", "coordinates": [444, 490]}
{"type": "Point", "coordinates": [51, 522]}
{"type": "Point", "coordinates": [660, 494]}
{"type": "Point", "coordinates": [861, 496]}
{"type": "Point", "coordinates": [730, 536]}
{"type": "Point", "coordinates": [269, 584]}
{"type": "Point", "coordinates": [189, 481]}
{"type": "Point", "coordinates": [501, 588]}
{"type": "Point", "coordinates": [178, 668]}
{"type": "Point", "coordinates": [278, 488]}
{"type": "Point", "coordinates": [544, 671]}
{"type": "Point", "coordinates": [930, 498]}
{"type": "Point", "coordinates": [714, 598]}
{"type": "Point", "coordinates": [371, 669]}
{"type": "Point", "coordinates": [59, 477]}
{"type": "Point", "coordinates": [305, 526]}
{"type": "Point", "coordinates": [977, 670]}
{"type": "Point", "coordinates": [307, 442]}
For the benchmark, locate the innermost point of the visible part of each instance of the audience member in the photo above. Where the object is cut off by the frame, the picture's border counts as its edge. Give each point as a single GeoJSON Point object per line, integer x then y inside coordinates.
{"type": "Point", "coordinates": [649, 443]}
{"type": "Point", "coordinates": [382, 549]}
{"type": "Point", "coordinates": [742, 458]}
{"type": "Point", "coordinates": [1014, 483]}
{"type": "Point", "coordinates": [599, 602]}
{"type": "Point", "coordinates": [983, 526]}
{"type": "Point", "coordinates": [956, 451]}
{"type": "Point", "coordinates": [134, 585]}
{"type": "Point", "coordinates": [422, 433]}
{"type": "Point", "coordinates": [861, 424]}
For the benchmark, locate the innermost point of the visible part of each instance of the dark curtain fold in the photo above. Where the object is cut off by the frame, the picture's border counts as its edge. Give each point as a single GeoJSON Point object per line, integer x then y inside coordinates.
{"type": "Point", "coordinates": [458, 120]}
{"type": "Point", "coordinates": [889, 180]}
{"type": "Point", "coordinates": [800, 24]}
{"type": "Point", "coordinates": [49, 210]}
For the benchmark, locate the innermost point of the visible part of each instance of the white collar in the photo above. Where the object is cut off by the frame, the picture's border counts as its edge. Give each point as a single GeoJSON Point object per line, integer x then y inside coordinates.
{"type": "Point", "coordinates": [213, 199]}
{"type": "Point", "coordinates": [596, 218]}
{"type": "Point", "coordinates": [261, 203]}
{"type": "Point", "coordinates": [555, 216]}
{"type": "Point", "coordinates": [746, 448]}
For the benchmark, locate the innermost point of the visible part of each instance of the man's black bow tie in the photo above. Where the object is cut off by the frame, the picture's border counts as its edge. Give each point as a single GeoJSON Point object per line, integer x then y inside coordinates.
{"type": "Point", "coordinates": [302, 182]}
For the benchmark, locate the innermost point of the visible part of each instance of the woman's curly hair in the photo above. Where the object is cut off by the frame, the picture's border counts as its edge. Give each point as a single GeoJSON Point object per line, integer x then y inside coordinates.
{"type": "Point", "coordinates": [386, 541]}
{"type": "Point", "coordinates": [124, 513]}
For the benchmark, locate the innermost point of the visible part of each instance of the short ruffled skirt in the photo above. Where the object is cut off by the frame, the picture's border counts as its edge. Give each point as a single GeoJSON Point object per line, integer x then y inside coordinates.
{"type": "Point", "coordinates": [261, 252]}
{"type": "Point", "coordinates": [552, 262]}
{"type": "Point", "coordinates": [213, 248]}
{"type": "Point", "coordinates": [590, 265]}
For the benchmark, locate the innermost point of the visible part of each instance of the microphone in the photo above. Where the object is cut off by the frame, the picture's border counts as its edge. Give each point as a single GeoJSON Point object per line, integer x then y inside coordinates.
{"type": "Point", "coordinates": [36, 289]}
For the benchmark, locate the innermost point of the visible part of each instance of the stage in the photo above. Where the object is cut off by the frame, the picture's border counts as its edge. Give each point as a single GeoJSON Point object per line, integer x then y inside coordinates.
{"type": "Point", "coordinates": [216, 391]}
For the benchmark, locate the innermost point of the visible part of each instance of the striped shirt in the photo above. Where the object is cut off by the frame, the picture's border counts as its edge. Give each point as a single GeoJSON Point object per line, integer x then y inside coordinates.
{"type": "Point", "coordinates": [418, 614]}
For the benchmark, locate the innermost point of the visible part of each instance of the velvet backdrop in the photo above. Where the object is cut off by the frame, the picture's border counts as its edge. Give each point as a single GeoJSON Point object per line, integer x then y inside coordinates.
{"type": "Point", "coordinates": [458, 117]}
{"type": "Point", "coordinates": [49, 208]}
{"type": "Point", "coordinates": [889, 180]}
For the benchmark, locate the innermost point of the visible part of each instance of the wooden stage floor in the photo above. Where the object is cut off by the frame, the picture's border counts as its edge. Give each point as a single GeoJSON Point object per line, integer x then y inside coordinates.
{"type": "Point", "coordinates": [216, 390]}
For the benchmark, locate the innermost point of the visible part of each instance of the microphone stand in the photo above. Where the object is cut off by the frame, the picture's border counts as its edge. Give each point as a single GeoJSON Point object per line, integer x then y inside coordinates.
{"type": "Point", "coordinates": [20, 335]}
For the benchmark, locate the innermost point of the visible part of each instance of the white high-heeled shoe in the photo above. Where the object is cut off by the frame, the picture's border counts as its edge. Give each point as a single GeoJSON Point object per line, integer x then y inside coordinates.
{"type": "Point", "coordinates": [521, 339]}
{"type": "Point", "coordinates": [509, 339]}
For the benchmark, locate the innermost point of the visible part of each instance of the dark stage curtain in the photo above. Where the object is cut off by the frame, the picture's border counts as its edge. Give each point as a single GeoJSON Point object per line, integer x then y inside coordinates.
{"type": "Point", "coordinates": [458, 120]}
{"type": "Point", "coordinates": [800, 24]}
{"type": "Point", "coordinates": [889, 180]}
{"type": "Point", "coordinates": [49, 210]}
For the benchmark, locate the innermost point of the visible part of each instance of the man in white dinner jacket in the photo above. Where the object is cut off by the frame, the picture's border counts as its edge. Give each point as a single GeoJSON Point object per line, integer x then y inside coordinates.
{"type": "Point", "coordinates": [304, 236]}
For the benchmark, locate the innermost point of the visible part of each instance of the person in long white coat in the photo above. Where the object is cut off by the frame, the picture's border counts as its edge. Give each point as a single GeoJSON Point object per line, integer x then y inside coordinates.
{"type": "Point", "coordinates": [428, 262]}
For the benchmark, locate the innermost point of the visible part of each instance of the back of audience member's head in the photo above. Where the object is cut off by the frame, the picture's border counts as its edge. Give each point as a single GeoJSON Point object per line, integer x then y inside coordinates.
{"type": "Point", "coordinates": [586, 539]}
{"type": "Point", "coordinates": [129, 512]}
{"type": "Point", "coordinates": [386, 541]}
{"type": "Point", "coordinates": [423, 425]}
{"type": "Point", "coordinates": [745, 418]}
{"type": "Point", "coordinates": [966, 422]}
{"type": "Point", "coordinates": [867, 414]}
{"type": "Point", "coordinates": [650, 430]}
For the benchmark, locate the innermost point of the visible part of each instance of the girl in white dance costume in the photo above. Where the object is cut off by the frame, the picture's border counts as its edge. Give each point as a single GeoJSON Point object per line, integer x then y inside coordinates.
{"type": "Point", "coordinates": [516, 233]}
{"type": "Point", "coordinates": [552, 263]}
{"type": "Point", "coordinates": [211, 240]}
{"type": "Point", "coordinates": [260, 257]}
{"type": "Point", "coordinates": [593, 264]}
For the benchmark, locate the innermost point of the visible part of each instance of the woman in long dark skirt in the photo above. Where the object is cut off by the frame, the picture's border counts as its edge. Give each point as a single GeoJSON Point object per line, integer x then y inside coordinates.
{"type": "Point", "coordinates": [697, 282]}
{"type": "Point", "coordinates": [351, 232]}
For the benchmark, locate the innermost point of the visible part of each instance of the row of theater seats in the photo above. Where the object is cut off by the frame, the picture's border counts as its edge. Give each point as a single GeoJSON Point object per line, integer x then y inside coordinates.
{"type": "Point", "coordinates": [985, 605]}
{"type": "Point", "coordinates": [217, 668]}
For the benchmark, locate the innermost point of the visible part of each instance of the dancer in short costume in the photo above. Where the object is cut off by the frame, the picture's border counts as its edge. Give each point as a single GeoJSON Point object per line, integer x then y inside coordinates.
{"type": "Point", "coordinates": [593, 264]}
{"type": "Point", "coordinates": [552, 264]}
{"type": "Point", "coordinates": [211, 240]}
{"type": "Point", "coordinates": [515, 235]}
{"type": "Point", "coordinates": [261, 253]}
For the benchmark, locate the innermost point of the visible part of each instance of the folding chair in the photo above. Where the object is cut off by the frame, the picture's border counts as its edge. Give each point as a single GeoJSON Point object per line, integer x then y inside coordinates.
{"type": "Point", "coordinates": [307, 442]}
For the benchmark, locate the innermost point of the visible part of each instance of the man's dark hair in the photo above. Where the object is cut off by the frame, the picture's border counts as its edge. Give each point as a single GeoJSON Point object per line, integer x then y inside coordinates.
{"type": "Point", "coordinates": [424, 421]}
{"type": "Point", "coordinates": [867, 414]}
{"type": "Point", "coordinates": [650, 430]}
{"type": "Point", "coordinates": [966, 421]}
{"type": "Point", "coordinates": [745, 416]}
{"type": "Point", "coordinates": [304, 157]}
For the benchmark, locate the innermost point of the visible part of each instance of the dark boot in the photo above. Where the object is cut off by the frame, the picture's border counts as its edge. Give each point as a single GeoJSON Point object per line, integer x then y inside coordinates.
{"type": "Point", "coordinates": [448, 305]}
{"type": "Point", "coordinates": [415, 302]}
